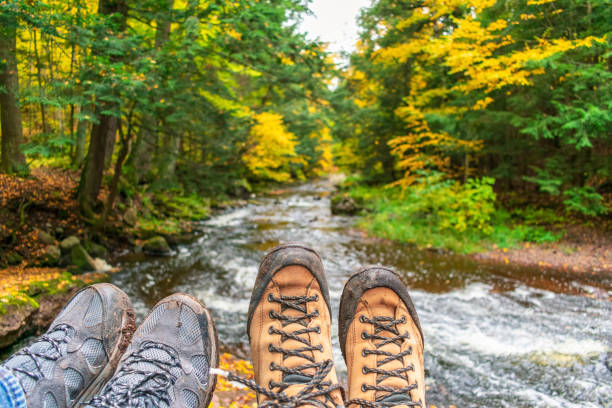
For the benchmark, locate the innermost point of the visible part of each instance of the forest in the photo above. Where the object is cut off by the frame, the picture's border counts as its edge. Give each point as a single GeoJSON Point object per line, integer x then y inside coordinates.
{"type": "Point", "coordinates": [474, 123]}
{"type": "Point", "coordinates": [480, 129]}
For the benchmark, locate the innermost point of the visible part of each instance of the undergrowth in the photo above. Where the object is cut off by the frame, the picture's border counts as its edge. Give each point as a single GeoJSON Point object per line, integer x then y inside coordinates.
{"type": "Point", "coordinates": [448, 215]}
{"type": "Point", "coordinates": [22, 286]}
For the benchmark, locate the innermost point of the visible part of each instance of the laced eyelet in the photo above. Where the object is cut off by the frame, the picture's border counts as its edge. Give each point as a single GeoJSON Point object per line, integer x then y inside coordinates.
{"type": "Point", "coordinates": [316, 313]}
{"type": "Point", "coordinates": [270, 329]}
{"type": "Point", "coordinates": [364, 335]}
{"type": "Point", "coordinates": [316, 297]}
{"type": "Point", "coordinates": [271, 366]}
{"type": "Point", "coordinates": [403, 319]}
{"type": "Point", "coordinates": [362, 319]}
{"type": "Point", "coordinates": [363, 370]}
{"type": "Point", "coordinates": [270, 384]}
{"type": "Point", "coordinates": [363, 388]}
{"type": "Point", "coordinates": [318, 329]}
{"type": "Point", "coordinates": [363, 353]}
{"type": "Point", "coordinates": [271, 314]}
{"type": "Point", "coordinates": [270, 348]}
{"type": "Point", "coordinates": [270, 298]}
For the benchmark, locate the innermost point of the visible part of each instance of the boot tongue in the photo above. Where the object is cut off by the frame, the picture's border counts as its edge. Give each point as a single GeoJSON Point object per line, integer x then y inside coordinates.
{"type": "Point", "coordinates": [386, 306]}
{"type": "Point", "coordinates": [296, 379]}
{"type": "Point", "coordinates": [295, 284]}
{"type": "Point", "coordinates": [398, 399]}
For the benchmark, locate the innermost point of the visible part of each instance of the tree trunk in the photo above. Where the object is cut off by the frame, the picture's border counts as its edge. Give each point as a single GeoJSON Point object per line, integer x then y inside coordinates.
{"type": "Point", "coordinates": [43, 110]}
{"type": "Point", "coordinates": [147, 142]}
{"type": "Point", "coordinates": [91, 178]}
{"type": "Point", "coordinates": [170, 155]}
{"type": "Point", "coordinates": [11, 159]}
{"type": "Point", "coordinates": [81, 138]}
{"type": "Point", "coordinates": [111, 138]}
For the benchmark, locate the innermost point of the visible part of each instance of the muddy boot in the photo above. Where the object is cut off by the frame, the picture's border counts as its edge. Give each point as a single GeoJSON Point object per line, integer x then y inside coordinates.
{"type": "Point", "coordinates": [381, 341]}
{"type": "Point", "coordinates": [79, 353]}
{"type": "Point", "coordinates": [289, 330]}
{"type": "Point", "coordinates": [168, 362]}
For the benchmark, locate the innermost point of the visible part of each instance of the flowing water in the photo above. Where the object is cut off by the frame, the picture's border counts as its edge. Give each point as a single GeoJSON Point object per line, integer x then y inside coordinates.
{"type": "Point", "coordinates": [494, 336]}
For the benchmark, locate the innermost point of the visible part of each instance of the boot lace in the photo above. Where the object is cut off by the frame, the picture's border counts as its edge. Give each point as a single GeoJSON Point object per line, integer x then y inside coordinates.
{"type": "Point", "coordinates": [142, 385]}
{"type": "Point", "coordinates": [386, 324]}
{"type": "Point", "coordinates": [314, 386]}
{"type": "Point", "coordinates": [55, 338]}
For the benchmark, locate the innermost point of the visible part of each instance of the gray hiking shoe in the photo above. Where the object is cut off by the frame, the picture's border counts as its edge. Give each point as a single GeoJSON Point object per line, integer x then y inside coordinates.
{"type": "Point", "coordinates": [168, 362]}
{"type": "Point", "coordinates": [80, 351]}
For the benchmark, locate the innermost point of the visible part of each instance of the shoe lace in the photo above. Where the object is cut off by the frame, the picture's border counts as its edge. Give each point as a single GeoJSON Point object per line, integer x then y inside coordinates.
{"type": "Point", "coordinates": [386, 324]}
{"type": "Point", "coordinates": [315, 386]}
{"type": "Point", "coordinates": [50, 354]}
{"type": "Point", "coordinates": [136, 386]}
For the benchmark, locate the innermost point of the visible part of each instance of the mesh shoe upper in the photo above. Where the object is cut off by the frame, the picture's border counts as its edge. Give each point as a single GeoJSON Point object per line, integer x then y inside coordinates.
{"type": "Point", "coordinates": [80, 349]}
{"type": "Point", "coordinates": [167, 363]}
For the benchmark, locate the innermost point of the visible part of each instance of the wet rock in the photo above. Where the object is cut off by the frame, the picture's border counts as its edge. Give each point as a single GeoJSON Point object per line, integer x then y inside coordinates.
{"type": "Point", "coordinates": [131, 217]}
{"type": "Point", "coordinates": [81, 259]}
{"type": "Point", "coordinates": [67, 244]}
{"type": "Point", "coordinates": [51, 256]}
{"type": "Point", "coordinates": [101, 265]}
{"type": "Point", "coordinates": [156, 246]}
{"type": "Point", "coordinates": [342, 203]}
{"type": "Point", "coordinates": [96, 250]}
{"type": "Point", "coordinates": [46, 238]}
{"type": "Point", "coordinates": [14, 323]}
{"type": "Point", "coordinates": [59, 232]}
{"type": "Point", "coordinates": [21, 320]}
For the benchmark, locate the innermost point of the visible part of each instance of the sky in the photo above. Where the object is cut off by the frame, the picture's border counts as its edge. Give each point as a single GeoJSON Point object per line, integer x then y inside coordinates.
{"type": "Point", "coordinates": [334, 22]}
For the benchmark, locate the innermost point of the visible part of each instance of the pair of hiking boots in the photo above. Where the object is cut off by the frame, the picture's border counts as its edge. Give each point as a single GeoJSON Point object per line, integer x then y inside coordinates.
{"type": "Point", "coordinates": [168, 360]}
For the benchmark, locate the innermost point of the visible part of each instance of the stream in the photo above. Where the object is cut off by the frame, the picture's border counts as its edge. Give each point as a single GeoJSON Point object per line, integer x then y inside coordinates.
{"type": "Point", "coordinates": [495, 336]}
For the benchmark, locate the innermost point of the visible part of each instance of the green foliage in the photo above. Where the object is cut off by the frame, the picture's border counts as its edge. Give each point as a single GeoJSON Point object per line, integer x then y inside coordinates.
{"type": "Point", "coordinates": [185, 80]}
{"type": "Point", "coordinates": [191, 207]}
{"type": "Point", "coordinates": [517, 91]}
{"type": "Point", "coordinates": [584, 200]}
{"type": "Point", "coordinates": [445, 214]}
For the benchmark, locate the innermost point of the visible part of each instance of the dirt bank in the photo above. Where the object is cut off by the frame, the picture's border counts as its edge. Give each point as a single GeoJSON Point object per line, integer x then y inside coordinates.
{"type": "Point", "coordinates": [583, 250]}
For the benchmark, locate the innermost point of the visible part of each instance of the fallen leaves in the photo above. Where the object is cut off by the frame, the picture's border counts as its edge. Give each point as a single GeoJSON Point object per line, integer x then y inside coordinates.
{"type": "Point", "coordinates": [226, 394]}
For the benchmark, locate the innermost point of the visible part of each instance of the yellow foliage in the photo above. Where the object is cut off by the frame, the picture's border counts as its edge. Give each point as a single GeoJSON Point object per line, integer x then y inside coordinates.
{"type": "Point", "coordinates": [472, 52]}
{"type": "Point", "coordinates": [227, 105]}
{"type": "Point", "coordinates": [422, 149]}
{"type": "Point", "coordinates": [271, 148]}
{"type": "Point", "coordinates": [324, 149]}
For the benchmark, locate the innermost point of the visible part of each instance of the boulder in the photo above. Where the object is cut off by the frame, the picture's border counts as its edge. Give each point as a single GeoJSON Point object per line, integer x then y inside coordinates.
{"type": "Point", "coordinates": [81, 259]}
{"type": "Point", "coordinates": [96, 250]}
{"type": "Point", "coordinates": [342, 203]}
{"type": "Point", "coordinates": [102, 265]}
{"type": "Point", "coordinates": [67, 244]}
{"type": "Point", "coordinates": [51, 256]}
{"type": "Point", "coordinates": [131, 217]}
{"type": "Point", "coordinates": [156, 246]}
{"type": "Point", "coordinates": [46, 238]}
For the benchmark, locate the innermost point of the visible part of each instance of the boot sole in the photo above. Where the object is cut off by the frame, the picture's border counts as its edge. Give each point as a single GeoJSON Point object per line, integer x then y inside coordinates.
{"type": "Point", "coordinates": [370, 277]}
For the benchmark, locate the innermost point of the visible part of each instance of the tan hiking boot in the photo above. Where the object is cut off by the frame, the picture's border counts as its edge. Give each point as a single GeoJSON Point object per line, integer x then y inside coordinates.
{"type": "Point", "coordinates": [381, 341]}
{"type": "Point", "coordinates": [289, 325]}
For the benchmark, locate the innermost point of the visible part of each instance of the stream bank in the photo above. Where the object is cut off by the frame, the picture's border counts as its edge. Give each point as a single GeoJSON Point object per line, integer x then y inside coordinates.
{"type": "Point", "coordinates": [496, 335]}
